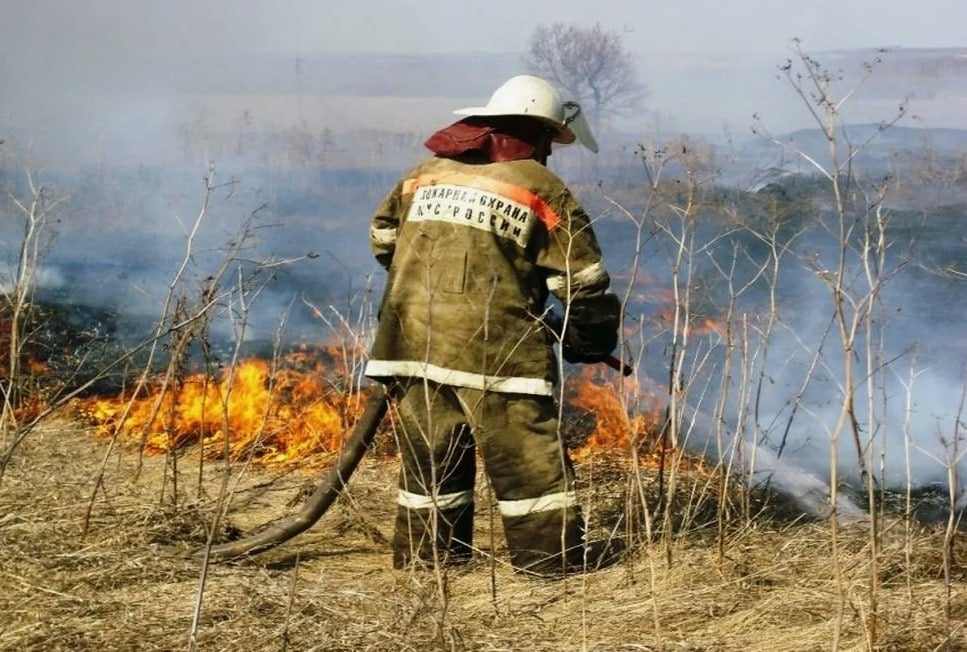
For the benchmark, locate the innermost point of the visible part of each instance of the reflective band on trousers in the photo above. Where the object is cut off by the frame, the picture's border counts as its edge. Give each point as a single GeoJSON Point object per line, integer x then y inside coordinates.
{"type": "Point", "coordinates": [440, 501]}
{"type": "Point", "coordinates": [561, 500]}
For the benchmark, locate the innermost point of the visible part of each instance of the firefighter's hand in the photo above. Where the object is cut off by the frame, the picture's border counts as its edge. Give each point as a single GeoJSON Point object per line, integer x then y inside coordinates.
{"type": "Point", "coordinates": [574, 356]}
{"type": "Point", "coordinates": [384, 259]}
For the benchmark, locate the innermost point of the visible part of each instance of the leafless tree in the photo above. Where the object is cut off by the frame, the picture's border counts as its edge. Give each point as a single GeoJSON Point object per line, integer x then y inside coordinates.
{"type": "Point", "coordinates": [592, 64]}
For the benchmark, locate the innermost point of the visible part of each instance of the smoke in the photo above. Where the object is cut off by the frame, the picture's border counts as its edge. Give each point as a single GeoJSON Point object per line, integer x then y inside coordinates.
{"type": "Point", "coordinates": [760, 465]}
{"type": "Point", "coordinates": [777, 395]}
{"type": "Point", "coordinates": [127, 121]}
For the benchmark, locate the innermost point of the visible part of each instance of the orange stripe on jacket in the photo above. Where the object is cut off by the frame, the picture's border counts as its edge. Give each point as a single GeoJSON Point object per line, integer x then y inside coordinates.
{"type": "Point", "coordinates": [541, 208]}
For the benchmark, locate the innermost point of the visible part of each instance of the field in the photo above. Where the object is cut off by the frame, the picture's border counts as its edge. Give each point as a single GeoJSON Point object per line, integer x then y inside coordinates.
{"type": "Point", "coordinates": [793, 311]}
{"type": "Point", "coordinates": [130, 583]}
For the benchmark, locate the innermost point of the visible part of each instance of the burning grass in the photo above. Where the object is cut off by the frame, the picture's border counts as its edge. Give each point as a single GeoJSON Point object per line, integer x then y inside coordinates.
{"type": "Point", "coordinates": [127, 585]}
{"type": "Point", "coordinates": [302, 406]}
{"type": "Point", "coordinates": [277, 414]}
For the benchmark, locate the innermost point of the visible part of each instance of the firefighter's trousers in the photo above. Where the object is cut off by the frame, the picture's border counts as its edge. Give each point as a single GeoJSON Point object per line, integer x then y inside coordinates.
{"type": "Point", "coordinates": [526, 464]}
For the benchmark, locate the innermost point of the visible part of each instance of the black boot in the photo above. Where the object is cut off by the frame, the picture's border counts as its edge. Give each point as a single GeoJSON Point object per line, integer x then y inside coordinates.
{"type": "Point", "coordinates": [412, 539]}
{"type": "Point", "coordinates": [551, 544]}
{"type": "Point", "coordinates": [596, 555]}
{"type": "Point", "coordinates": [583, 558]}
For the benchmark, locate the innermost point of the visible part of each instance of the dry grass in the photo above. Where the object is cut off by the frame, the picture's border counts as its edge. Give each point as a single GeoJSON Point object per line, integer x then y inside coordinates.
{"type": "Point", "coordinates": [123, 587]}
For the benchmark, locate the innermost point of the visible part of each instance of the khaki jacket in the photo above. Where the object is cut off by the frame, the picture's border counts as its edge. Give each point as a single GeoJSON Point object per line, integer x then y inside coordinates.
{"type": "Point", "coordinates": [473, 251]}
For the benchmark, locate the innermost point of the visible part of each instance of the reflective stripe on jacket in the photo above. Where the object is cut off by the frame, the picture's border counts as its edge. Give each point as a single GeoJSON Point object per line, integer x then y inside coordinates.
{"type": "Point", "coordinates": [472, 251]}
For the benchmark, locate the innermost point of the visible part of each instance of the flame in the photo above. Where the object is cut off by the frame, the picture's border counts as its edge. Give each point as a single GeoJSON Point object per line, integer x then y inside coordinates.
{"type": "Point", "coordinates": [661, 301]}
{"type": "Point", "coordinates": [615, 428]}
{"type": "Point", "coordinates": [697, 324]}
{"type": "Point", "coordinates": [623, 435]}
{"type": "Point", "coordinates": [300, 409]}
{"type": "Point", "coordinates": [277, 415]}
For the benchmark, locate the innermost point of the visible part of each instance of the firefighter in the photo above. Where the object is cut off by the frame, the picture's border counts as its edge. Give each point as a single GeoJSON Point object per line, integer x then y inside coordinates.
{"type": "Point", "coordinates": [475, 240]}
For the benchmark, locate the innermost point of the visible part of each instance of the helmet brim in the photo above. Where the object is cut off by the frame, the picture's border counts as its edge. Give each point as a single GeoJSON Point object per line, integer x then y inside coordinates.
{"type": "Point", "coordinates": [581, 131]}
{"type": "Point", "coordinates": [565, 135]}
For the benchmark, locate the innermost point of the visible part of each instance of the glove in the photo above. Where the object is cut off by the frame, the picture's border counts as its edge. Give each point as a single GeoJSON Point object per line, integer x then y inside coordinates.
{"type": "Point", "coordinates": [592, 330]}
{"type": "Point", "coordinates": [576, 357]}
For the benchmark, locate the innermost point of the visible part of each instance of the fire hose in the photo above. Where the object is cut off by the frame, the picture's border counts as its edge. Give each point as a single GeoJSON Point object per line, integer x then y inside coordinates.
{"type": "Point", "coordinates": [326, 492]}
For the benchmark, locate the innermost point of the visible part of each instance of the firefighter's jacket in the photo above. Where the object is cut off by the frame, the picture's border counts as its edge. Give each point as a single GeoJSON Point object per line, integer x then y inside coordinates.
{"type": "Point", "coordinates": [473, 250]}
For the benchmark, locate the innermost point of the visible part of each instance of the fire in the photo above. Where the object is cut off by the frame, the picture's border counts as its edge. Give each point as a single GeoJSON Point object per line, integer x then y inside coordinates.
{"type": "Point", "coordinates": [615, 428]}
{"type": "Point", "coordinates": [300, 409]}
{"type": "Point", "coordinates": [698, 325]}
{"type": "Point", "coordinates": [277, 415]}
{"type": "Point", "coordinates": [662, 304]}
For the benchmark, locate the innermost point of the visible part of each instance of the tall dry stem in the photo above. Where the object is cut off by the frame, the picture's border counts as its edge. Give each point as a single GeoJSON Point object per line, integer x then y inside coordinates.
{"type": "Point", "coordinates": [18, 286]}
{"type": "Point", "coordinates": [858, 227]}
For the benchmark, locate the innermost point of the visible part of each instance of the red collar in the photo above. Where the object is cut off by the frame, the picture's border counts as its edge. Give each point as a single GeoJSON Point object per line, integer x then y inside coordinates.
{"type": "Point", "coordinates": [497, 140]}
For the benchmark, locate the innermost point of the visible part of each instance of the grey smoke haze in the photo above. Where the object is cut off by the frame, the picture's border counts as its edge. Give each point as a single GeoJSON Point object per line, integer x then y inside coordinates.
{"type": "Point", "coordinates": [780, 395]}
{"type": "Point", "coordinates": [180, 28]}
{"type": "Point", "coordinates": [106, 79]}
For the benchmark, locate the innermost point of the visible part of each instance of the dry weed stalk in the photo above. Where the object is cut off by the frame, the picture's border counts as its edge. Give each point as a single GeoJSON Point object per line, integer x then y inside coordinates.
{"type": "Point", "coordinates": [18, 289]}
{"type": "Point", "coordinates": [859, 225]}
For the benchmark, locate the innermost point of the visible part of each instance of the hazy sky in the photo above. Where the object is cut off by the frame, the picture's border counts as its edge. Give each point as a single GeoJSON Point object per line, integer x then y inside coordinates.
{"type": "Point", "coordinates": [41, 29]}
{"type": "Point", "coordinates": [65, 63]}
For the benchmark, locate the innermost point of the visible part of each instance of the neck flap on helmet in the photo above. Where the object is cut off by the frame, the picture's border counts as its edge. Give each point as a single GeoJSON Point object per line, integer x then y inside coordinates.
{"type": "Point", "coordinates": [497, 138]}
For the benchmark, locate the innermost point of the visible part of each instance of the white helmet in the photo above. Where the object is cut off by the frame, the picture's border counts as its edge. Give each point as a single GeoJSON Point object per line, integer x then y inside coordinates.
{"type": "Point", "coordinates": [535, 97]}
